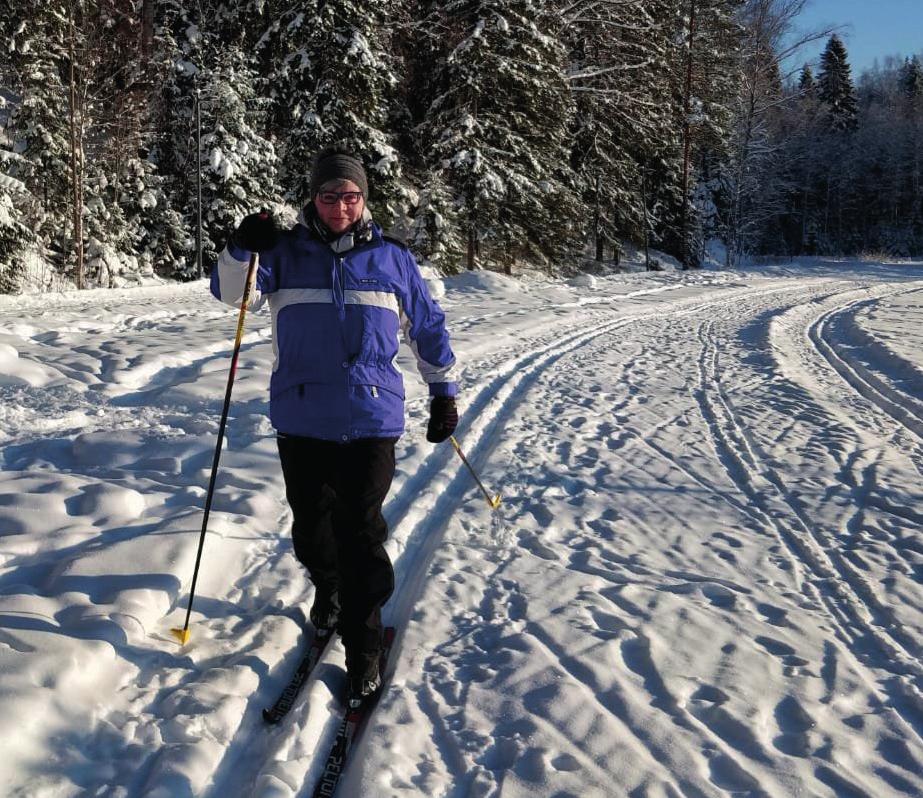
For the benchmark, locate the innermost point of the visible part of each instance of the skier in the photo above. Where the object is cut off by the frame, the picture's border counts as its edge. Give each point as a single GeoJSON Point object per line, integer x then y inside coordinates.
{"type": "Point", "coordinates": [340, 293]}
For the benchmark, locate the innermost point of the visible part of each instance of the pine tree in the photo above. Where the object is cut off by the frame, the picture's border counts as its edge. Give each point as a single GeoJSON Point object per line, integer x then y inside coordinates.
{"type": "Point", "coordinates": [911, 88]}
{"type": "Point", "coordinates": [807, 85]}
{"type": "Point", "coordinates": [703, 45]}
{"type": "Point", "coordinates": [334, 83]}
{"type": "Point", "coordinates": [799, 168]}
{"type": "Point", "coordinates": [911, 80]}
{"type": "Point", "coordinates": [15, 236]}
{"type": "Point", "coordinates": [499, 130]}
{"type": "Point", "coordinates": [836, 89]}
{"type": "Point", "coordinates": [38, 124]}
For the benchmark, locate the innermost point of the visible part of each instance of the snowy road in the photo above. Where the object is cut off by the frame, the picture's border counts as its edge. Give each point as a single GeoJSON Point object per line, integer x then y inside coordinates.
{"type": "Point", "coordinates": [705, 580]}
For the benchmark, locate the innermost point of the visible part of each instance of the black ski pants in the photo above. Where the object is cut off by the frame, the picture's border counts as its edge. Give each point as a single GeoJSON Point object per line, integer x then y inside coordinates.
{"type": "Point", "coordinates": [336, 492]}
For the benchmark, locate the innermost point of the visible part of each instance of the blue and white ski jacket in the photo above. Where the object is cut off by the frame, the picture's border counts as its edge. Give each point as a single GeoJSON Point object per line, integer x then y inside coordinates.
{"type": "Point", "coordinates": [336, 322]}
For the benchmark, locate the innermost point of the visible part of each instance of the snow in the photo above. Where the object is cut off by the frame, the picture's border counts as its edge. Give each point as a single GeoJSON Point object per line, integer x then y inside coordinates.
{"type": "Point", "coordinates": [704, 578]}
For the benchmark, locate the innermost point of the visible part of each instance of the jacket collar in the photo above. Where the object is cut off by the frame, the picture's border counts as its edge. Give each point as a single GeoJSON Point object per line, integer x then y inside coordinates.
{"type": "Point", "coordinates": [361, 233]}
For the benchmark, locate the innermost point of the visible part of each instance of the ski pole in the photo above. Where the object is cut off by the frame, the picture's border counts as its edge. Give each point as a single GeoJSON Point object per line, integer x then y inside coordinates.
{"type": "Point", "coordinates": [183, 634]}
{"type": "Point", "coordinates": [494, 502]}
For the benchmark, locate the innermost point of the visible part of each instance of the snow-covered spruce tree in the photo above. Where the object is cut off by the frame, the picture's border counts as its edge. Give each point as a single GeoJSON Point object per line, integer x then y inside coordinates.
{"type": "Point", "coordinates": [15, 236]}
{"type": "Point", "coordinates": [435, 233]}
{"type": "Point", "coordinates": [332, 82]}
{"type": "Point", "coordinates": [837, 96]}
{"type": "Point", "coordinates": [239, 173]}
{"type": "Point", "coordinates": [799, 167]}
{"type": "Point", "coordinates": [835, 87]}
{"type": "Point", "coordinates": [911, 90]}
{"type": "Point", "coordinates": [622, 123]}
{"type": "Point", "coordinates": [499, 131]}
{"type": "Point", "coordinates": [36, 54]}
{"type": "Point", "coordinates": [912, 79]}
{"type": "Point", "coordinates": [807, 85]}
{"type": "Point", "coordinates": [120, 188]}
{"type": "Point", "coordinates": [82, 96]}
{"type": "Point", "coordinates": [171, 239]}
{"type": "Point", "coordinates": [852, 191]}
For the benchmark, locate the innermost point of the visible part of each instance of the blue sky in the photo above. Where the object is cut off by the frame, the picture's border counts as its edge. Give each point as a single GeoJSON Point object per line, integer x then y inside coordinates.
{"type": "Point", "coordinates": [873, 28]}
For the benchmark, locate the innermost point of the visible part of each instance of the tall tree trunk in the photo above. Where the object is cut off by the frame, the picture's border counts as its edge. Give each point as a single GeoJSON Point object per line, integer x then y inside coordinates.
{"type": "Point", "coordinates": [687, 138]}
{"type": "Point", "coordinates": [147, 30]}
{"type": "Point", "coordinates": [76, 137]}
{"type": "Point", "coordinates": [647, 222]}
{"type": "Point", "coordinates": [596, 225]}
{"type": "Point", "coordinates": [198, 182]}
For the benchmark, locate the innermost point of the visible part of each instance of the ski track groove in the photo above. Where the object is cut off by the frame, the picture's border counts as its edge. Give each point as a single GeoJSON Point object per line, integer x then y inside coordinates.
{"type": "Point", "coordinates": [824, 348]}
{"type": "Point", "coordinates": [849, 606]}
{"type": "Point", "coordinates": [888, 399]}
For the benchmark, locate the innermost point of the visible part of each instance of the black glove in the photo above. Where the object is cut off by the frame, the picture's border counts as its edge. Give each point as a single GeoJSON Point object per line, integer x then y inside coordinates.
{"type": "Point", "coordinates": [443, 419]}
{"type": "Point", "coordinates": [256, 233]}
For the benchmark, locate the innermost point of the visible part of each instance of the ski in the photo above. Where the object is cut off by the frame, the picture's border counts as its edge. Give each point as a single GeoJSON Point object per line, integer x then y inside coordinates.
{"type": "Point", "coordinates": [290, 692]}
{"type": "Point", "coordinates": [354, 719]}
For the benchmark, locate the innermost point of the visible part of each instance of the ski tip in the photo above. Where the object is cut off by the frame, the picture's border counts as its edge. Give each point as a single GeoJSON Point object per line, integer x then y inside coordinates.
{"type": "Point", "coordinates": [182, 635]}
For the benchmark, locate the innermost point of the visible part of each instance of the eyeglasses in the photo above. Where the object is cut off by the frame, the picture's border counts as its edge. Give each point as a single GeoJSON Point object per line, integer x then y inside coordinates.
{"type": "Point", "coordinates": [333, 197]}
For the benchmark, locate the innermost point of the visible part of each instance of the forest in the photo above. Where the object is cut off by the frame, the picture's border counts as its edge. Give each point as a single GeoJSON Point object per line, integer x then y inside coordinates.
{"type": "Point", "coordinates": [496, 133]}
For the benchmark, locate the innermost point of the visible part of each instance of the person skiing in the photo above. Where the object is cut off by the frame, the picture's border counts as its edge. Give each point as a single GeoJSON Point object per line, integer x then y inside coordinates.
{"type": "Point", "coordinates": [341, 293]}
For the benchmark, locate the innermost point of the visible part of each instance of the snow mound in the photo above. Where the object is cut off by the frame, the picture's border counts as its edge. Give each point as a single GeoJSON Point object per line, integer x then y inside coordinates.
{"type": "Point", "coordinates": [15, 371]}
{"type": "Point", "coordinates": [436, 287]}
{"type": "Point", "coordinates": [583, 281]}
{"type": "Point", "coordinates": [484, 281]}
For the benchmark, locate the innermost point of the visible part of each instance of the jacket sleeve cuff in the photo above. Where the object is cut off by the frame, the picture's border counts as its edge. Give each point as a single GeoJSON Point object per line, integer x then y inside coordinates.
{"type": "Point", "coordinates": [443, 389]}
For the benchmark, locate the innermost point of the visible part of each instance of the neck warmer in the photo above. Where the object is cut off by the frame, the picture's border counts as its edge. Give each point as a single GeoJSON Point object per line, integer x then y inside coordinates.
{"type": "Point", "coordinates": [359, 233]}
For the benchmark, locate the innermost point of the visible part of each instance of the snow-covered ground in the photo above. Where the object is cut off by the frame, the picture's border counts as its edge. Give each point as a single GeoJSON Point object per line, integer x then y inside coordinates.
{"type": "Point", "coordinates": [704, 579]}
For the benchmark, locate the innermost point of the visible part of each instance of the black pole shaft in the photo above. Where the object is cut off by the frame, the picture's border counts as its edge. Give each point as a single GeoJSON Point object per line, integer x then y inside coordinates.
{"type": "Point", "coordinates": [221, 428]}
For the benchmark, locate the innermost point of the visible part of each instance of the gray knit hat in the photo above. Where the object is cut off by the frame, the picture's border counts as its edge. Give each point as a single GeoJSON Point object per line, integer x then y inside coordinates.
{"type": "Point", "coordinates": [337, 164]}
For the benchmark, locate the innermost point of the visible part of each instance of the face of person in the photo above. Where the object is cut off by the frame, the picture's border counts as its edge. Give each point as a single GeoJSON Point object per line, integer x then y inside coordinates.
{"type": "Point", "coordinates": [338, 205]}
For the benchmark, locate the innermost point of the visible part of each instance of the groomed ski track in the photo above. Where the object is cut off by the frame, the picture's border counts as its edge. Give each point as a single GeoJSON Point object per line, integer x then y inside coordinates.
{"type": "Point", "coordinates": [744, 352]}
